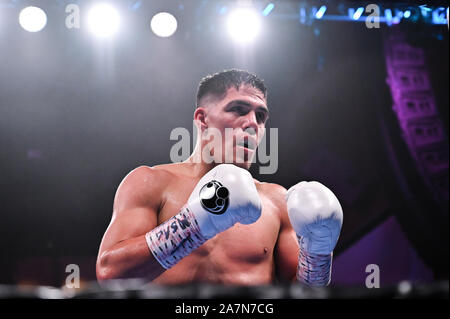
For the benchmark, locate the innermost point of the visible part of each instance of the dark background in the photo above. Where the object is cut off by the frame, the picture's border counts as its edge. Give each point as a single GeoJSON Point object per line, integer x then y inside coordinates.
{"type": "Point", "coordinates": [78, 113]}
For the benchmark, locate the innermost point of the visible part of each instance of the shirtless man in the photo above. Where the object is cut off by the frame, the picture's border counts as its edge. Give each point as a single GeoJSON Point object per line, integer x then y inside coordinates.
{"type": "Point", "coordinates": [204, 221]}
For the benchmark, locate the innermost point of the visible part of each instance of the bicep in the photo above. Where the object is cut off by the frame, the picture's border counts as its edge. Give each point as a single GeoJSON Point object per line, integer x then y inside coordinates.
{"type": "Point", "coordinates": [128, 224]}
{"type": "Point", "coordinates": [135, 209]}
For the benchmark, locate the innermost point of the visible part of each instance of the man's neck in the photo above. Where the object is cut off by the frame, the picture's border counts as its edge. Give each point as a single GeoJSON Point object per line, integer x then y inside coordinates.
{"type": "Point", "coordinates": [199, 167]}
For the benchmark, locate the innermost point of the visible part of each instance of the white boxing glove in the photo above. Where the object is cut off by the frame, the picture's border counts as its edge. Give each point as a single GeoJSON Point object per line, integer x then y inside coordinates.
{"type": "Point", "coordinates": [316, 216]}
{"type": "Point", "coordinates": [223, 197]}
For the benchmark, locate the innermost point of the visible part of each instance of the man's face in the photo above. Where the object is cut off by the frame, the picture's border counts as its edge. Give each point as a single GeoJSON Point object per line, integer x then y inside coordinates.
{"type": "Point", "coordinates": [245, 112]}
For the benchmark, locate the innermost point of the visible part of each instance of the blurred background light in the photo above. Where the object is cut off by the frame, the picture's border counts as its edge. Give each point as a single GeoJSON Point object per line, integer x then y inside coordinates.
{"type": "Point", "coordinates": [321, 12]}
{"type": "Point", "coordinates": [388, 16]}
{"type": "Point", "coordinates": [244, 25]}
{"type": "Point", "coordinates": [358, 13]}
{"type": "Point", "coordinates": [268, 9]}
{"type": "Point", "coordinates": [163, 24]}
{"type": "Point", "coordinates": [32, 19]}
{"type": "Point", "coordinates": [103, 20]}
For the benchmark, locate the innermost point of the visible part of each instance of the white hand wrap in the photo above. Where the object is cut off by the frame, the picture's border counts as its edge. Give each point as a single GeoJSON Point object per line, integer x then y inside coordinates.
{"type": "Point", "coordinates": [175, 238]}
{"type": "Point", "coordinates": [314, 269]}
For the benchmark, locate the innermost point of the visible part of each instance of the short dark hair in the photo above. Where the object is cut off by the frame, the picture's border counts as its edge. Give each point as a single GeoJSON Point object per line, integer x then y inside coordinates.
{"type": "Point", "coordinates": [217, 84]}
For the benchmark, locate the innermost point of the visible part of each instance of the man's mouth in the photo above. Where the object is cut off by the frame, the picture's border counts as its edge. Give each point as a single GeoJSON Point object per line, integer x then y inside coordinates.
{"type": "Point", "coordinates": [247, 143]}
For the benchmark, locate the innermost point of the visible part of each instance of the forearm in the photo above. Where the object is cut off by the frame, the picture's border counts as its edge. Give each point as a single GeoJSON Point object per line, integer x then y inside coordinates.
{"type": "Point", "coordinates": [149, 255]}
{"type": "Point", "coordinates": [128, 258]}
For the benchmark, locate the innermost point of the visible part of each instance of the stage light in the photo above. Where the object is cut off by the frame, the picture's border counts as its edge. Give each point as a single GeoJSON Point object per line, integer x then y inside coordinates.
{"type": "Point", "coordinates": [321, 12]}
{"type": "Point", "coordinates": [103, 20]}
{"type": "Point", "coordinates": [268, 9]}
{"type": "Point", "coordinates": [406, 14]}
{"type": "Point", "coordinates": [163, 24]}
{"type": "Point", "coordinates": [136, 5]}
{"type": "Point", "coordinates": [439, 16]}
{"type": "Point", "coordinates": [424, 9]}
{"type": "Point", "coordinates": [358, 13]}
{"type": "Point", "coordinates": [32, 19]}
{"type": "Point", "coordinates": [223, 10]}
{"type": "Point", "coordinates": [389, 17]}
{"type": "Point", "coordinates": [244, 25]}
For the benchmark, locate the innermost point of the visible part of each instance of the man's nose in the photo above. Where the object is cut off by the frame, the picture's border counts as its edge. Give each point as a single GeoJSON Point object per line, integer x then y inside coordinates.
{"type": "Point", "coordinates": [250, 123]}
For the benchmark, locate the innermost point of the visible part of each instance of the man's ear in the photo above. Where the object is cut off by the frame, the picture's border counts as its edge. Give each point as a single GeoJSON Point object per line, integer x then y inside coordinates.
{"type": "Point", "coordinates": [200, 118]}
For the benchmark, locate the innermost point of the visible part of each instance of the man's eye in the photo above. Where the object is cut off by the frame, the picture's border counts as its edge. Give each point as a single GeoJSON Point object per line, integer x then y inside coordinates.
{"type": "Point", "coordinates": [261, 117]}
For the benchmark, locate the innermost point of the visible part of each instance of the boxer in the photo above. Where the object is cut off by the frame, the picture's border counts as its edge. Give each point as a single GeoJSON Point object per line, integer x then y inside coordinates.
{"type": "Point", "coordinates": [208, 220]}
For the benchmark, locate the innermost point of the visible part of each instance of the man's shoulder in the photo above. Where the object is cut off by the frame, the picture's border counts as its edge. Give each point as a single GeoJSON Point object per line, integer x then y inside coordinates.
{"type": "Point", "coordinates": [275, 192]}
{"type": "Point", "coordinates": [161, 170]}
{"type": "Point", "coordinates": [144, 183]}
{"type": "Point", "coordinates": [146, 171]}
{"type": "Point", "coordinates": [277, 189]}
{"type": "Point", "coordinates": [277, 196]}
{"type": "Point", "coordinates": [150, 175]}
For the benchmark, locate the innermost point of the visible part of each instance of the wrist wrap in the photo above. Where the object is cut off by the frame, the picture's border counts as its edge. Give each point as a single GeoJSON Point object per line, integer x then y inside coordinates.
{"type": "Point", "coordinates": [175, 238]}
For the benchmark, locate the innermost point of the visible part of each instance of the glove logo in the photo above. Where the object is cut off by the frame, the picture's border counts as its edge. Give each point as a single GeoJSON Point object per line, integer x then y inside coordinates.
{"type": "Point", "coordinates": [214, 197]}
